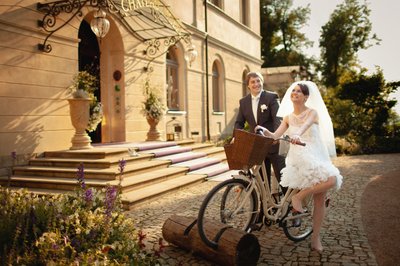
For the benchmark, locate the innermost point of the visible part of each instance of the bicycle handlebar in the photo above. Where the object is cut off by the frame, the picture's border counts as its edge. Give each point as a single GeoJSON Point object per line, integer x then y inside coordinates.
{"type": "Point", "coordinates": [285, 137]}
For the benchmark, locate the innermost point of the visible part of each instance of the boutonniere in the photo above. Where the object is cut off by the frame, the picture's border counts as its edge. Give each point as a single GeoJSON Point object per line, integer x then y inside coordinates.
{"type": "Point", "coordinates": [263, 107]}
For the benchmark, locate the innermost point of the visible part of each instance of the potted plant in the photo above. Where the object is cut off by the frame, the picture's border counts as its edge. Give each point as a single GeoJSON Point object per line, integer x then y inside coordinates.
{"type": "Point", "coordinates": [153, 109]}
{"type": "Point", "coordinates": [85, 110]}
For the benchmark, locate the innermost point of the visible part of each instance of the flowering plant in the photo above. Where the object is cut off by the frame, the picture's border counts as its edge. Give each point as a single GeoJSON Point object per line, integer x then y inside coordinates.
{"type": "Point", "coordinates": [87, 227]}
{"type": "Point", "coordinates": [263, 107]}
{"type": "Point", "coordinates": [84, 85]}
{"type": "Point", "coordinates": [152, 105]}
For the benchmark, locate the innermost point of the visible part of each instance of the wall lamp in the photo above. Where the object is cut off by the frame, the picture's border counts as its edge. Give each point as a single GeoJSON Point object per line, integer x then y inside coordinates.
{"type": "Point", "coordinates": [99, 24]}
{"type": "Point", "coordinates": [190, 54]}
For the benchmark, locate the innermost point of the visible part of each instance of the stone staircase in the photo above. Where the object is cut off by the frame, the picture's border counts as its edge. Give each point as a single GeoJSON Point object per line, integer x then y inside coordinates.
{"type": "Point", "coordinates": [152, 169]}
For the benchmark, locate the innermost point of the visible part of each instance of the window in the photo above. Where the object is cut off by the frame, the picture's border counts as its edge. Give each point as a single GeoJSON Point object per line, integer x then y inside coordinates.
{"type": "Point", "coordinates": [173, 101]}
{"type": "Point", "coordinates": [217, 3]}
{"type": "Point", "coordinates": [217, 89]}
{"type": "Point", "coordinates": [244, 12]}
{"type": "Point", "coordinates": [245, 90]}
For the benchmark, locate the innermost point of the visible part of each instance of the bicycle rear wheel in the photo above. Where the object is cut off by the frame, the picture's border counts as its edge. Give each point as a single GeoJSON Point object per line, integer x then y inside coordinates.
{"type": "Point", "coordinates": [298, 226]}
{"type": "Point", "coordinates": [230, 203]}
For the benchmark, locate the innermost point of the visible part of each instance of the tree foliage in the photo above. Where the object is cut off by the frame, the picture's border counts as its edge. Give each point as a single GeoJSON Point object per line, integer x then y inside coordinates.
{"type": "Point", "coordinates": [347, 31]}
{"type": "Point", "coordinates": [361, 111]}
{"type": "Point", "coordinates": [280, 28]}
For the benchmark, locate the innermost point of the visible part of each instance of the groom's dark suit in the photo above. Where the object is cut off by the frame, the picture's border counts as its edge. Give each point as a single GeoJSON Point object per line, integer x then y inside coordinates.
{"type": "Point", "coordinates": [266, 118]}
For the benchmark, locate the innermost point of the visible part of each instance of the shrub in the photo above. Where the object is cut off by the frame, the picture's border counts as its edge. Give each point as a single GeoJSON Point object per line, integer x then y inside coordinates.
{"type": "Point", "coordinates": [85, 227]}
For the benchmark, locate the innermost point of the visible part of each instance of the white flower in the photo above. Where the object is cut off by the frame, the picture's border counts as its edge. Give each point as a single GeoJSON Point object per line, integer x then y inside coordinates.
{"type": "Point", "coordinates": [263, 107]}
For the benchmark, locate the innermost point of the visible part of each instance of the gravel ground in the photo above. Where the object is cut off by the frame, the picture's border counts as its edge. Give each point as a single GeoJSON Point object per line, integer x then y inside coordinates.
{"type": "Point", "coordinates": [343, 234]}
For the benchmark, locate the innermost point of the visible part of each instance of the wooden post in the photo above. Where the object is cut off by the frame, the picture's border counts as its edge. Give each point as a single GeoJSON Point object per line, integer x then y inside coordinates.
{"type": "Point", "coordinates": [235, 247]}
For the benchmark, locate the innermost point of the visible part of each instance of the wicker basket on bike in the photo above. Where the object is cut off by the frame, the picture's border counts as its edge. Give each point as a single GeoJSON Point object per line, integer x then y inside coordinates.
{"type": "Point", "coordinates": [248, 149]}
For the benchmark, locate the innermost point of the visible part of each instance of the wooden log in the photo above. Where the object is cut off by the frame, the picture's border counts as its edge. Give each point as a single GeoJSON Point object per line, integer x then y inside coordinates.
{"type": "Point", "coordinates": [235, 247]}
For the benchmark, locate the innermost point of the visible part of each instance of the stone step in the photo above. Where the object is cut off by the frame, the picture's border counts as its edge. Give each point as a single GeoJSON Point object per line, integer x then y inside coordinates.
{"type": "Point", "coordinates": [152, 168]}
{"type": "Point", "coordinates": [167, 151]}
{"type": "Point", "coordinates": [95, 153]}
{"type": "Point", "coordinates": [200, 146]}
{"type": "Point", "coordinates": [138, 196]}
{"type": "Point", "coordinates": [212, 170]}
{"type": "Point", "coordinates": [223, 176]}
{"type": "Point", "coordinates": [127, 183]}
{"type": "Point", "coordinates": [42, 191]}
{"type": "Point", "coordinates": [106, 174]}
{"type": "Point", "coordinates": [140, 146]}
{"type": "Point", "coordinates": [52, 183]}
{"type": "Point", "coordinates": [197, 163]}
{"type": "Point", "coordinates": [89, 163]}
{"type": "Point", "coordinates": [149, 178]}
{"type": "Point", "coordinates": [182, 157]}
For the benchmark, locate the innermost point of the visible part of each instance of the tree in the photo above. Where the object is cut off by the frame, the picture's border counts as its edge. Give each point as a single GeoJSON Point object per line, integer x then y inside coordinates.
{"type": "Point", "coordinates": [280, 28]}
{"type": "Point", "coordinates": [361, 111]}
{"type": "Point", "coordinates": [347, 31]}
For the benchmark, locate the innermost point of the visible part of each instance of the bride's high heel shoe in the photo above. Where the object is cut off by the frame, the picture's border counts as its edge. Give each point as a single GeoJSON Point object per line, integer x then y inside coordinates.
{"type": "Point", "coordinates": [317, 246]}
{"type": "Point", "coordinates": [319, 250]}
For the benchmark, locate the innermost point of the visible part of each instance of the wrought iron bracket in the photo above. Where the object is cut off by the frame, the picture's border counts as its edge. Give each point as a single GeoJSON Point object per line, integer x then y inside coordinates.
{"type": "Point", "coordinates": [153, 50]}
{"type": "Point", "coordinates": [74, 7]}
{"type": "Point", "coordinates": [51, 11]}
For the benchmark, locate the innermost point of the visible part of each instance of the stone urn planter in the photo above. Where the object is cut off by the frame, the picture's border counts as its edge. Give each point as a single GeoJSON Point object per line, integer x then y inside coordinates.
{"type": "Point", "coordinates": [153, 133]}
{"type": "Point", "coordinates": [79, 109]}
{"type": "Point", "coordinates": [153, 109]}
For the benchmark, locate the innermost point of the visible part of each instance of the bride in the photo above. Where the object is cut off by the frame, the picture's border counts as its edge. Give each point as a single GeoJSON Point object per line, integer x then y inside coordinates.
{"type": "Point", "coordinates": [308, 168]}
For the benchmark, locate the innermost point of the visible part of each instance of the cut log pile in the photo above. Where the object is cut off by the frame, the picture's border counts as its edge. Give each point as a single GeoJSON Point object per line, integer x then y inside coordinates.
{"type": "Point", "coordinates": [235, 247]}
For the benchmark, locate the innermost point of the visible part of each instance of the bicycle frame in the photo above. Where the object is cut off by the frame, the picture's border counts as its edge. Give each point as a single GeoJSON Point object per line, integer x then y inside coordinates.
{"type": "Point", "coordinates": [274, 212]}
{"type": "Point", "coordinates": [241, 207]}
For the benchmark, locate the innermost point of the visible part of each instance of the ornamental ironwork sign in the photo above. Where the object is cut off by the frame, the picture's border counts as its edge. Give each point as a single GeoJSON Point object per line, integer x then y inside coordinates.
{"type": "Point", "coordinates": [151, 21]}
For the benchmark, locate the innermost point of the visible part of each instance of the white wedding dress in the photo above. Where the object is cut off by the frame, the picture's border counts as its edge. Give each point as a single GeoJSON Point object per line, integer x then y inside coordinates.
{"type": "Point", "coordinates": [310, 164]}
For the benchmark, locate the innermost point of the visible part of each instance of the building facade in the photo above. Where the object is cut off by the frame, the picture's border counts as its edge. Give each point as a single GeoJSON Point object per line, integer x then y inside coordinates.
{"type": "Point", "coordinates": [146, 40]}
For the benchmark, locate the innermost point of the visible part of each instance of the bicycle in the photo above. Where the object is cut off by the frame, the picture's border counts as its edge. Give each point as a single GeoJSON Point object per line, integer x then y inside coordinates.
{"type": "Point", "coordinates": [240, 202]}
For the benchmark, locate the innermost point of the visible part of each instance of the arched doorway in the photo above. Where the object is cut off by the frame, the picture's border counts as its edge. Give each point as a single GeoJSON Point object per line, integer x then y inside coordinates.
{"type": "Point", "coordinates": [89, 60]}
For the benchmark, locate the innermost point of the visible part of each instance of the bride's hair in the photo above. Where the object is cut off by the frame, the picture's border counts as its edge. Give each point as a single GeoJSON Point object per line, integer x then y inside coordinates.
{"type": "Point", "coordinates": [304, 89]}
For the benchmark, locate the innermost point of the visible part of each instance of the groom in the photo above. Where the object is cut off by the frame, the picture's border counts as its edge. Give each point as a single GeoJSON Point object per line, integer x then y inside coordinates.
{"type": "Point", "coordinates": [260, 108]}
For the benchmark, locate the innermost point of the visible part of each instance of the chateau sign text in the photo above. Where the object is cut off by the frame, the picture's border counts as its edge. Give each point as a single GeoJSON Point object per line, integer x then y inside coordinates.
{"type": "Point", "coordinates": [130, 5]}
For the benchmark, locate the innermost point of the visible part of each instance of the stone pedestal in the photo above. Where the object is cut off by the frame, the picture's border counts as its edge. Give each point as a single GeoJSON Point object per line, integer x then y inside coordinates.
{"type": "Point", "coordinates": [79, 109]}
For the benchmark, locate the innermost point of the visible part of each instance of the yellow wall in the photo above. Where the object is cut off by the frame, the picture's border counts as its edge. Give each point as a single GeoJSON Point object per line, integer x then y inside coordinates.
{"type": "Point", "coordinates": [34, 112]}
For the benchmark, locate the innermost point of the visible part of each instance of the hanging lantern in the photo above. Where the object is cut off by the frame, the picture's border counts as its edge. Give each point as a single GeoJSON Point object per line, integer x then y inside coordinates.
{"type": "Point", "coordinates": [190, 54]}
{"type": "Point", "coordinates": [99, 24]}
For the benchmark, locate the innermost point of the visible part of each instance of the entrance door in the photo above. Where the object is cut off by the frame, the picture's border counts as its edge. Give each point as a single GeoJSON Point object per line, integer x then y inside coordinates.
{"type": "Point", "coordinates": [89, 60]}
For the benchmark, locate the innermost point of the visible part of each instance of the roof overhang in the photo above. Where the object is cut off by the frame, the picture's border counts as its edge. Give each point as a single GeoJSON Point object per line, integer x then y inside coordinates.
{"type": "Point", "coordinates": [150, 21]}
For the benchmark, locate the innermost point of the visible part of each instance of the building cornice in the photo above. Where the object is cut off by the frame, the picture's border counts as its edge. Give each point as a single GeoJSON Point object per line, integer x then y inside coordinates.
{"type": "Point", "coordinates": [202, 35]}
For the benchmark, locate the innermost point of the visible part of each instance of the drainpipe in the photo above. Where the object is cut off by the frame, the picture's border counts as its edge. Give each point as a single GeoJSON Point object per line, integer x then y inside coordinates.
{"type": "Point", "coordinates": [207, 88]}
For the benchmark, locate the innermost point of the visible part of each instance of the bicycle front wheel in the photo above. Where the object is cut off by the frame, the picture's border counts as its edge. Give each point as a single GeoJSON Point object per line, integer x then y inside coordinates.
{"type": "Point", "coordinates": [231, 203]}
{"type": "Point", "coordinates": [298, 226]}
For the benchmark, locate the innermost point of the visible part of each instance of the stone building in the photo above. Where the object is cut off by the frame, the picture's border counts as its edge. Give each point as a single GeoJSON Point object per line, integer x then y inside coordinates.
{"type": "Point", "coordinates": [45, 43]}
{"type": "Point", "coordinates": [278, 79]}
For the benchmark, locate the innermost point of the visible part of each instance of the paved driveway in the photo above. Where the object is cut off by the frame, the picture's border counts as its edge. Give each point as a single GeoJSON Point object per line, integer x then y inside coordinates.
{"type": "Point", "coordinates": [343, 234]}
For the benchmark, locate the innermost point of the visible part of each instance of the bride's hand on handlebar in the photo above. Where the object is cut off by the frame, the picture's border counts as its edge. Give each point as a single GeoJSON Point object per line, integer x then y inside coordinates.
{"type": "Point", "coordinates": [295, 139]}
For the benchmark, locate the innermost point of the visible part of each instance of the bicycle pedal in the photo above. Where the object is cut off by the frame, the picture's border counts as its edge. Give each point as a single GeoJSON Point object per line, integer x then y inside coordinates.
{"type": "Point", "coordinates": [296, 222]}
{"type": "Point", "coordinates": [255, 227]}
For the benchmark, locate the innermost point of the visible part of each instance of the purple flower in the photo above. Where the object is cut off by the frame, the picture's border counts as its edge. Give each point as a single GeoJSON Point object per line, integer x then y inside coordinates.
{"type": "Point", "coordinates": [121, 165]}
{"type": "Point", "coordinates": [111, 195]}
{"type": "Point", "coordinates": [14, 155]}
{"type": "Point", "coordinates": [88, 195]}
{"type": "Point", "coordinates": [80, 174]}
